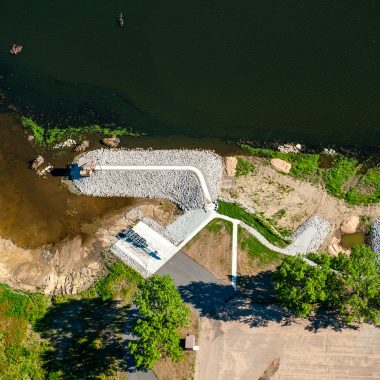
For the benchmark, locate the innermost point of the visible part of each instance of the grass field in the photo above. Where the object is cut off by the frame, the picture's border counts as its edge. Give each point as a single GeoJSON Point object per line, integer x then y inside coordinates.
{"type": "Point", "coordinates": [261, 257]}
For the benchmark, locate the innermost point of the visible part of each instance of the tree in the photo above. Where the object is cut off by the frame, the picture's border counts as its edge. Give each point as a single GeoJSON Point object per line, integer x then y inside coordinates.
{"type": "Point", "coordinates": [161, 313]}
{"type": "Point", "coordinates": [360, 274]}
{"type": "Point", "coordinates": [301, 286]}
{"type": "Point", "coordinates": [348, 285]}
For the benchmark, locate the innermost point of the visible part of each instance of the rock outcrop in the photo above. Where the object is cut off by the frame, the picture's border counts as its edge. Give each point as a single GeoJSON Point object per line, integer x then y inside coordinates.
{"type": "Point", "coordinates": [281, 165]}
{"type": "Point", "coordinates": [82, 147]}
{"type": "Point", "coordinates": [38, 161]}
{"type": "Point", "coordinates": [350, 225]}
{"type": "Point", "coordinates": [230, 166]}
{"type": "Point", "coordinates": [111, 142]}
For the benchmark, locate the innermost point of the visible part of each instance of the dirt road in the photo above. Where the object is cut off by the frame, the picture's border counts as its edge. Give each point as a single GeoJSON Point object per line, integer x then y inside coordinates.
{"type": "Point", "coordinates": [234, 350]}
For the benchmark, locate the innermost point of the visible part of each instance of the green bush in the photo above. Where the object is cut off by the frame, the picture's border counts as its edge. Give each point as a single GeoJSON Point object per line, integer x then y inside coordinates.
{"type": "Point", "coordinates": [37, 130]}
{"type": "Point", "coordinates": [56, 135]}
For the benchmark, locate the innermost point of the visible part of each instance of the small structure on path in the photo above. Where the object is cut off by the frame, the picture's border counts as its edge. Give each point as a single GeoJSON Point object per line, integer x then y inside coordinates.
{"type": "Point", "coordinates": [83, 168]}
{"type": "Point", "coordinates": [190, 343]}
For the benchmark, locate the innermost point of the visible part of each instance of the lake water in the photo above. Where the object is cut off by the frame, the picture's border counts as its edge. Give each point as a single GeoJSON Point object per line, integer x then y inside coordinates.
{"type": "Point", "coordinates": [286, 70]}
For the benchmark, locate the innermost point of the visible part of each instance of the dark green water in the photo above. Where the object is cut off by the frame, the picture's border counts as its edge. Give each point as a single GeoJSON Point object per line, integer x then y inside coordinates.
{"type": "Point", "coordinates": [291, 70]}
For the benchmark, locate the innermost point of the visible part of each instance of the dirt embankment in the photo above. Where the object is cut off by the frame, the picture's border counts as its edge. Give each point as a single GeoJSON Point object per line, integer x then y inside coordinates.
{"type": "Point", "coordinates": [74, 263]}
{"type": "Point", "coordinates": [290, 201]}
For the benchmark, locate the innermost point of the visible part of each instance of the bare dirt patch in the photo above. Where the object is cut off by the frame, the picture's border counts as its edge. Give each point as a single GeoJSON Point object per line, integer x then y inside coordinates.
{"type": "Point", "coordinates": [211, 248]}
{"type": "Point", "coordinates": [234, 350]}
{"type": "Point", "coordinates": [290, 201]}
{"type": "Point", "coordinates": [74, 263]}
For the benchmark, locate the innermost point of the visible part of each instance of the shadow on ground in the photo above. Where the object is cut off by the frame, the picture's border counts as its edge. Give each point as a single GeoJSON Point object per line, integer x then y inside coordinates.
{"type": "Point", "coordinates": [86, 337]}
{"type": "Point", "coordinates": [254, 303]}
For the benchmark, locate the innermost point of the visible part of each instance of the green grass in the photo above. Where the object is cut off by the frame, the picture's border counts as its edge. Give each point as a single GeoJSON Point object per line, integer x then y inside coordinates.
{"type": "Point", "coordinates": [52, 136]}
{"type": "Point", "coordinates": [303, 165]}
{"type": "Point", "coordinates": [120, 283]}
{"type": "Point", "coordinates": [344, 179]}
{"type": "Point", "coordinates": [256, 221]}
{"type": "Point", "coordinates": [336, 177]}
{"type": "Point", "coordinates": [243, 167]}
{"type": "Point", "coordinates": [93, 318]}
{"type": "Point", "coordinates": [261, 255]}
{"type": "Point", "coordinates": [216, 226]}
{"type": "Point", "coordinates": [21, 352]}
{"type": "Point", "coordinates": [367, 189]}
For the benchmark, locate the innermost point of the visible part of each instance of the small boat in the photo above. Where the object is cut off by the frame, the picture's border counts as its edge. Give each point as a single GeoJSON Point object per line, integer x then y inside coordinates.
{"type": "Point", "coordinates": [16, 49]}
{"type": "Point", "coordinates": [121, 20]}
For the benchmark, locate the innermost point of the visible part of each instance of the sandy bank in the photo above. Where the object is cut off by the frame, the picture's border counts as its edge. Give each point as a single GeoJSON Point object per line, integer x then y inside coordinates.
{"type": "Point", "coordinates": [74, 263]}
{"type": "Point", "coordinates": [270, 192]}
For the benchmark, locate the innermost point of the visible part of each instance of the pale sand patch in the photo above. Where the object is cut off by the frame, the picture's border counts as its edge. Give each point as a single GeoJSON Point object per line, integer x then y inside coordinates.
{"type": "Point", "coordinates": [74, 263]}
{"type": "Point", "coordinates": [233, 350]}
{"type": "Point", "coordinates": [268, 191]}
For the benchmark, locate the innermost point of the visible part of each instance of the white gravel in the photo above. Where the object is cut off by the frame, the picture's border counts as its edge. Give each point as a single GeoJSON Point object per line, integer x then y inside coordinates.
{"type": "Point", "coordinates": [311, 234]}
{"type": "Point", "coordinates": [375, 236]}
{"type": "Point", "coordinates": [180, 187]}
{"type": "Point", "coordinates": [184, 225]}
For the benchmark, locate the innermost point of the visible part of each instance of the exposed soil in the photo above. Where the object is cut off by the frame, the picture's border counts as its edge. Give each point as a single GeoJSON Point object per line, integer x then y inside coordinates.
{"type": "Point", "coordinates": [212, 249]}
{"type": "Point", "coordinates": [270, 192]}
{"type": "Point", "coordinates": [74, 263]}
{"type": "Point", "coordinates": [236, 350]}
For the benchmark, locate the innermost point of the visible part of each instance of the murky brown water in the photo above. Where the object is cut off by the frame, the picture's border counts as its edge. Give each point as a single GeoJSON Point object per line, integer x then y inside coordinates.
{"type": "Point", "coordinates": [34, 210]}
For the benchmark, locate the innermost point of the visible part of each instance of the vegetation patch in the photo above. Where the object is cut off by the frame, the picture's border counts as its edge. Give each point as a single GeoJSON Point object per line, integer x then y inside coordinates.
{"type": "Point", "coordinates": [21, 352]}
{"type": "Point", "coordinates": [51, 136]}
{"type": "Point", "coordinates": [347, 286]}
{"type": "Point", "coordinates": [216, 226]}
{"type": "Point", "coordinates": [256, 221]}
{"type": "Point", "coordinates": [345, 178]}
{"type": "Point", "coordinates": [74, 336]}
{"type": "Point", "coordinates": [167, 369]}
{"type": "Point", "coordinates": [161, 313]}
{"type": "Point", "coordinates": [261, 256]}
{"type": "Point", "coordinates": [244, 167]}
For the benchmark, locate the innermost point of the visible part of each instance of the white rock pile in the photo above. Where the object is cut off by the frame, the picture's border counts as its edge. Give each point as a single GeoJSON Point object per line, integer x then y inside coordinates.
{"type": "Point", "coordinates": [375, 236]}
{"type": "Point", "coordinates": [319, 229]}
{"type": "Point", "coordinates": [180, 187]}
{"type": "Point", "coordinates": [184, 225]}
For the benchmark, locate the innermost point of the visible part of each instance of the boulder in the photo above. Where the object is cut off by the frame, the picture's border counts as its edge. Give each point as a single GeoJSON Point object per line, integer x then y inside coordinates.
{"type": "Point", "coordinates": [82, 147]}
{"type": "Point", "coordinates": [230, 166]}
{"type": "Point", "coordinates": [111, 142]}
{"type": "Point", "coordinates": [281, 165]}
{"type": "Point", "coordinates": [38, 161]}
{"type": "Point", "coordinates": [350, 225]}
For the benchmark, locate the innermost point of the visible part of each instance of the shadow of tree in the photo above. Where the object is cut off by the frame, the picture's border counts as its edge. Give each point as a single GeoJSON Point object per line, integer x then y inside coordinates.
{"type": "Point", "coordinates": [87, 338]}
{"type": "Point", "coordinates": [254, 303]}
